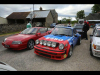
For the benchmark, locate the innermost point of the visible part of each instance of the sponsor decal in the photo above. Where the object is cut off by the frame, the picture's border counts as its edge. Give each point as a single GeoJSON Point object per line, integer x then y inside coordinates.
{"type": "Point", "coordinates": [65, 55]}
{"type": "Point", "coordinates": [55, 39]}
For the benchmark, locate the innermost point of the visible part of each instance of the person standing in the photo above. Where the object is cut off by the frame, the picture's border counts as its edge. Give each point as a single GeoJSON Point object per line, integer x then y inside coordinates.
{"type": "Point", "coordinates": [29, 25]}
{"type": "Point", "coordinates": [85, 29]}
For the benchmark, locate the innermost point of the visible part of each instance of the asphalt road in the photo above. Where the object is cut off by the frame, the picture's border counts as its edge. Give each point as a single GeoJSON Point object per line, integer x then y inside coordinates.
{"type": "Point", "coordinates": [26, 60]}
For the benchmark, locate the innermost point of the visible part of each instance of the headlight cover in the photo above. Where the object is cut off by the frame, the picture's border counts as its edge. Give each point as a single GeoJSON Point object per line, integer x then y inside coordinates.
{"type": "Point", "coordinates": [4, 39]}
{"type": "Point", "coordinates": [61, 46]}
{"type": "Point", "coordinates": [16, 42]}
{"type": "Point", "coordinates": [44, 42]}
{"type": "Point", "coordinates": [37, 42]}
{"type": "Point", "coordinates": [41, 42]}
{"type": "Point", "coordinates": [97, 47]}
{"type": "Point", "coordinates": [53, 44]}
{"type": "Point", "coordinates": [49, 43]}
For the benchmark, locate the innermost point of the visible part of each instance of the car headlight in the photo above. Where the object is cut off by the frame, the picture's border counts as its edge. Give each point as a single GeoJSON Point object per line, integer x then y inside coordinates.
{"type": "Point", "coordinates": [4, 39]}
{"type": "Point", "coordinates": [97, 47]}
{"type": "Point", "coordinates": [37, 42]}
{"type": "Point", "coordinates": [53, 44]}
{"type": "Point", "coordinates": [16, 42]}
{"type": "Point", "coordinates": [49, 43]}
{"type": "Point", "coordinates": [41, 42]}
{"type": "Point", "coordinates": [61, 46]}
{"type": "Point", "coordinates": [44, 42]}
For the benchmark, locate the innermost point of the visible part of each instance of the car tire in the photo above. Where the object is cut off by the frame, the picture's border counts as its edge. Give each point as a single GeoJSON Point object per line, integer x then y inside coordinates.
{"type": "Point", "coordinates": [30, 44]}
{"type": "Point", "coordinates": [79, 41]}
{"type": "Point", "coordinates": [70, 52]}
{"type": "Point", "coordinates": [91, 53]}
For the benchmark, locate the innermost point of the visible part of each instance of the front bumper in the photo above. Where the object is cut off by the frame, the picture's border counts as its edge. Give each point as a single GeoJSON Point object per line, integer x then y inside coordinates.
{"type": "Point", "coordinates": [56, 55]}
{"type": "Point", "coordinates": [14, 47]}
{"type": "Point", "coordinates": [96, 52]}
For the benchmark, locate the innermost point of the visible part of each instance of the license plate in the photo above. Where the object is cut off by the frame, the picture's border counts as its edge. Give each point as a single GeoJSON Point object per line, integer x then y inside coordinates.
{"type": "Point", "coordinates": [7, 46]}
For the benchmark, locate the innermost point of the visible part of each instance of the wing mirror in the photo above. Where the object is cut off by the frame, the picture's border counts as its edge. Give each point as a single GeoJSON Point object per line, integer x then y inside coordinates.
{"type": "Point", "coordinates": [49, 32]}
{"type": "Point", "coordinates": [75, 35]}
{"type": "Point", "coordinates": [38, 33]}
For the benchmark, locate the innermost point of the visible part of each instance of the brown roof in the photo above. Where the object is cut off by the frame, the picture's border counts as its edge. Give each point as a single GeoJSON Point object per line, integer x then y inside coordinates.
{"type": "Point", "coordinates": [18, 15]}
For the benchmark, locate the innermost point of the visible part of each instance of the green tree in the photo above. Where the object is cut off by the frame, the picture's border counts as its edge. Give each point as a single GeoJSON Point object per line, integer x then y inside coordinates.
{"type": "Point", "coordinates": [95, 8]}
{"type": "Point", "coordinates": [80, 14]}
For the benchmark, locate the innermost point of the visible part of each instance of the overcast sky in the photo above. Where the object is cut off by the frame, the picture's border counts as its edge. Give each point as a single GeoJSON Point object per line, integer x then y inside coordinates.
{"type": "Point", "coordinates": [63, 10]}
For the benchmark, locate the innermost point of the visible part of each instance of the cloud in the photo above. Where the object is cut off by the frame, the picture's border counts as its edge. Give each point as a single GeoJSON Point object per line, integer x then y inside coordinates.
{"type": "Point", "coordinates": [63, 10]}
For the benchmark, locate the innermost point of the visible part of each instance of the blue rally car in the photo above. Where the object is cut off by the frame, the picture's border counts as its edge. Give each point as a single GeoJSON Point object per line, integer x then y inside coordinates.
{"type": "Point", "coordinates": [59, 44]}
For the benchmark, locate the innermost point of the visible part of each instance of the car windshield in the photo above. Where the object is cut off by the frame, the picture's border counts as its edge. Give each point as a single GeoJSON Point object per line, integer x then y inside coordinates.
{"type": "Point", "coordinates": [79, 26]}
{"type": "Point", "coordinates": [29, 31]}
{"type": "Point", "coordinates": [62, 31]}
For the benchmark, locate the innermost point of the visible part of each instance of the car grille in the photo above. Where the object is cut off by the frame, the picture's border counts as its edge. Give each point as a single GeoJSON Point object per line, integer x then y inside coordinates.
{"type": "Point", "coordinates": [45, 51]}
{"type": "Point", "coordinates": [45, 55]}
{"type": "Point", "coordinates": [97, 53]}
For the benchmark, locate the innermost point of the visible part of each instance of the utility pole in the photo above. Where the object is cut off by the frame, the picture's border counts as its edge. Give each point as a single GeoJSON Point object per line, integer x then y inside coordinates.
{"type": "Point", "coordinates": [33, 16]}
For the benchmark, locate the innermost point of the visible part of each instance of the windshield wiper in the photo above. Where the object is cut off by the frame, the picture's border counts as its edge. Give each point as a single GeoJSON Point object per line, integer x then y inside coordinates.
{"type": "Point", "coordinates": [64, 34]}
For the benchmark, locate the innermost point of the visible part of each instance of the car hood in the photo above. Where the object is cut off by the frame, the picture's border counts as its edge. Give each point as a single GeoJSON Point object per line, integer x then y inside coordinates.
{"type": "Point", "coordinates": [96, 40]}
{"type": "Point", "coordinates": [57, 38]}
{"type": "Point", "coordinates": [18, 37]}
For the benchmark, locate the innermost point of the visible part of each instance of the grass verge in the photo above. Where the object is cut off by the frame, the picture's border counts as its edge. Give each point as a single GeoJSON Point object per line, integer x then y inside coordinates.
{"type": "Point", "coordinates": [9, 33]}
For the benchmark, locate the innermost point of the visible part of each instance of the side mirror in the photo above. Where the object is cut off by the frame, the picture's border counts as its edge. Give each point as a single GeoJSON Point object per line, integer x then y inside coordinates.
{"type": "Point", "coordinates": [49, 32]}
{"type": "Point", "coordinates": [19, 32]}
{"type": "Point", "coordinates": [38, 33]}
{"type": "Point", "coordinates": [75, 35]}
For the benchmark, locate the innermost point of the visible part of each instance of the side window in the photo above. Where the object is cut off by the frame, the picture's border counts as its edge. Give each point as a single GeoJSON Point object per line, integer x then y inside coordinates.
{"type": "Point", "coordinates": [74, 31]}
{"type": "Point", "coordinates": [42, 30]}
{"type": "Point", "coordinates": [93, 31]}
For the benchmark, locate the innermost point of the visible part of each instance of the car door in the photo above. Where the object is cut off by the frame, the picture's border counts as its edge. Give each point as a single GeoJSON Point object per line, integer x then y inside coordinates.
{"type": "Point", "coordinates": [75, 38]}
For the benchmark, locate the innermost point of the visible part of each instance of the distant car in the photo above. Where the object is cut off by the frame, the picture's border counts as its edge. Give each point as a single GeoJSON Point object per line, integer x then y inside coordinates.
{"type": "Point", "coordinates": [59, 44]}
{"type": "Point", "coordinates": [39, 24]}
{"type": "Point", "coordinates": [6, 67]}
{"type": "Point", "coordinates": [95, 42]}
{"type": "Point", "coordinates": [79, 29]}
{"type": "Point", "coordinates": [53, 25]}
{"type": "Point", "coordinates": [25, 39]}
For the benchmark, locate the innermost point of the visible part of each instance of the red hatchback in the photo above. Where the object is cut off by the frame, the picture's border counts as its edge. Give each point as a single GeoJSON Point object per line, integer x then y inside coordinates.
{"type": "Point", "coordinates": [25, 39]}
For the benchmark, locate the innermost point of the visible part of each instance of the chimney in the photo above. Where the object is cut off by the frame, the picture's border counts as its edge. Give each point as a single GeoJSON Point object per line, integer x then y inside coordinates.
{"type": "Point", "coordinates": [40, 8]}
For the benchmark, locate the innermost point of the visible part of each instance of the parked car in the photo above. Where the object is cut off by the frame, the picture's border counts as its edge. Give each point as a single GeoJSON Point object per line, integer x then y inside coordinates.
{"type": "Point", "coordinates": [53, 25]}
{"type": "Point", "coordinates": [79, 29]}
{"type": "Point", "coordinates": [39, 24]}
{"type": "Point", "coordinates": [95, 42]}
{"type": "Point", "coordinates": [6, 67]}
{"type": "Point", "coordinates": [59, 44]}
{"type": "Point", "coordinates": [25, 39]}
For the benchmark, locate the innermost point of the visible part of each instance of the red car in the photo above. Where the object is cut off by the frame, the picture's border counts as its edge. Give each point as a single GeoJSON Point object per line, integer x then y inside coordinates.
{"type": "Point", "coordinates": [25, 39]}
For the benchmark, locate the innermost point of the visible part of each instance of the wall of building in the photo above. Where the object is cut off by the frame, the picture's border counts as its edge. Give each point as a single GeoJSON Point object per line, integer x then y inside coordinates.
{"type": "Point", "coordinates": [6, 28]}
{"type": "Point", "coordinates": [3, 20]}
{"type": "Point", "coordinates": [49, 20]}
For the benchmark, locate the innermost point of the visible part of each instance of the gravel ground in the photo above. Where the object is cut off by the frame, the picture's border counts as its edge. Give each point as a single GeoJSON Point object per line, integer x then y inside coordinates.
{"type": "Point", "coordinates": [26, 60]}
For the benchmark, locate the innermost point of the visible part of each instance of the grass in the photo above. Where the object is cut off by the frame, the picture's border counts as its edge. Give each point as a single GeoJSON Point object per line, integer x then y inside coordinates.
{"type": "Point", "coordinates": [9, 33]}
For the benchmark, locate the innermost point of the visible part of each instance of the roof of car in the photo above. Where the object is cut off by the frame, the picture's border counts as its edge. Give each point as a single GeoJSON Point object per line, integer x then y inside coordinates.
{"type": "Point", "coordinates": [63, 27]}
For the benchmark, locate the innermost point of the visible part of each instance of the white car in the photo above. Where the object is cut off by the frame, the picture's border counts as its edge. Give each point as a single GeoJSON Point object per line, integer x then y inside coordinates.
{"type": "Point", "coordinates": [95, 42]}
{"type": "Point", "coordinates": [6, 67]}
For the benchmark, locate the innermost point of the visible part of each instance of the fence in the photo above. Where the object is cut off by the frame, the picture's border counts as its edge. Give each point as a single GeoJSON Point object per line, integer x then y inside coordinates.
{"type": "Point", "coordinates": [6, 28]}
